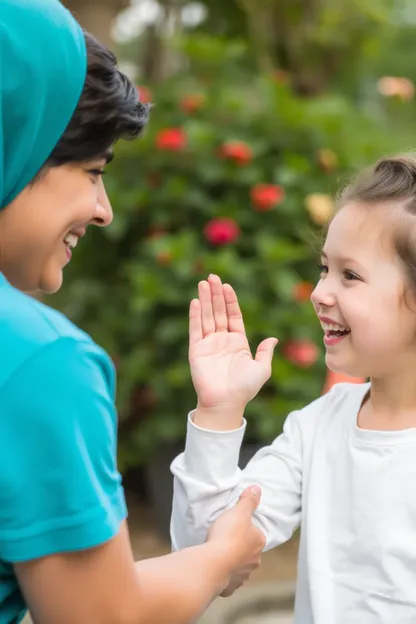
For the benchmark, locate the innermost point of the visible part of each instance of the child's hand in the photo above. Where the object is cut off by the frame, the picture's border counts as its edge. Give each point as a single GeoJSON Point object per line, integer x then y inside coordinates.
{"type": "Point", "coordinates": [223, 370]}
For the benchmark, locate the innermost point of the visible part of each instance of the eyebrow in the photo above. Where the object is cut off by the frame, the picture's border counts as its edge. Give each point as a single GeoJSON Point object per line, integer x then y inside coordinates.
{"type": "Point", "coordinates": [343, 259]}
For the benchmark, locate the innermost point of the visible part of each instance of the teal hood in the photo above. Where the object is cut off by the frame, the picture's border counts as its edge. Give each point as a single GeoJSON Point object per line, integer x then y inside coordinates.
{"type": "Point", "coordinates": [42, 73]}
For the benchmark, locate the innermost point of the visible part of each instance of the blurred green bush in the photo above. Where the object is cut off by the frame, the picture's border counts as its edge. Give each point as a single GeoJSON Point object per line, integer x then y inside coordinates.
{"type": "Point", "coordinates": [234, 176]}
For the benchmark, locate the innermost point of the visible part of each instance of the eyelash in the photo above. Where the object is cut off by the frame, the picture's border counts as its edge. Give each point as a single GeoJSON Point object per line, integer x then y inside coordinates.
{"type": "Point", "coordinates": [97, 173]}
{"type": "Point", "coordinates": [349, 276]}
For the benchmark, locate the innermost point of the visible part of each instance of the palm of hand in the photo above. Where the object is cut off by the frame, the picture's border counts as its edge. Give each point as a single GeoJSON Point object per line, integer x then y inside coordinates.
{"type": "Point", "coordinates": [222, 367]}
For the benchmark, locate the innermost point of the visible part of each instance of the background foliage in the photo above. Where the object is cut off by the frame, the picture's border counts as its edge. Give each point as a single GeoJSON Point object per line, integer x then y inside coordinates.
{"type": "Point", "coordinates": [266, 115]}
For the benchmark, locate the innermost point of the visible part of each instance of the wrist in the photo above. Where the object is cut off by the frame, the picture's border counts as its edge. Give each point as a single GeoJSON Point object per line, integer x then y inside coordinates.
{"type": "Point", "coordinates": [222, 417]}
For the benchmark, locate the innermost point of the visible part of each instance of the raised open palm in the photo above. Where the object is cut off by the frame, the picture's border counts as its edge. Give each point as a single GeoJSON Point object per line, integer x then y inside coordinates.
{"type": "Point", "coordinates": [223, 369]}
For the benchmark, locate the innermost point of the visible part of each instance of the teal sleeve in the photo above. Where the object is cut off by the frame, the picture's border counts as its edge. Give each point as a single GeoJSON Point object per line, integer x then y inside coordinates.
{"type": "Point", "coordinates": [60, 490]}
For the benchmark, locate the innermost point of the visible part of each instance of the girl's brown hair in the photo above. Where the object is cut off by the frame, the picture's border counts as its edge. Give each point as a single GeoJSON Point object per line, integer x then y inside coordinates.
{"type": "Point", "coordinates": [391, 182]}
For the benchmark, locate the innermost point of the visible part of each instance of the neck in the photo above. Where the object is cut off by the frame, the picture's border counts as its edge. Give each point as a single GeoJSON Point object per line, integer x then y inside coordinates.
{"type": "Point", "coordinates": [395, 395]}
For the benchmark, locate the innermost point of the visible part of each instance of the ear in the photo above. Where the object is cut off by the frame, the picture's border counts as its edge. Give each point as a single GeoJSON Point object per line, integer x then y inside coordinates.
{"type": "Point", "coordinates": [408, 298]}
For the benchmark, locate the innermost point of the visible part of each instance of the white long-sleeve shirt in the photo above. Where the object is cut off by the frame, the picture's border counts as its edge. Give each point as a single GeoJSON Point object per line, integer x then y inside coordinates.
{"type": "Point", "coordinates": [352, 491]}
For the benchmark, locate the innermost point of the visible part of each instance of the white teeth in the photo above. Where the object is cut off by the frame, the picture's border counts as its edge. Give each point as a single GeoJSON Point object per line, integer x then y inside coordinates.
{"type": "Point", "coordinates": [334, 327]}
{"type": "Point", "coordinates": [71, 240]}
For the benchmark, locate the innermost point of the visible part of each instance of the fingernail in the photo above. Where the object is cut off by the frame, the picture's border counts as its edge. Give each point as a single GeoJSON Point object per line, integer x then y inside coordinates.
{"type": "Point", "coordinates": [256, 490]}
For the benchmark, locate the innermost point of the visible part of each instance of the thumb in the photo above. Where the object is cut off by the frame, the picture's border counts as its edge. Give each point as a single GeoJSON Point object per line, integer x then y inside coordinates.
{"type": "Point", "coordinates": [264, 353]}
{"type": "Point", "coordinates": [250, 498]}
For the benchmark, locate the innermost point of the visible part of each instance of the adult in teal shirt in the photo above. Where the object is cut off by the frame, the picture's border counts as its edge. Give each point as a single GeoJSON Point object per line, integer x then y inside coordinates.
{"type": "Point", "coordinates": [64, 547]}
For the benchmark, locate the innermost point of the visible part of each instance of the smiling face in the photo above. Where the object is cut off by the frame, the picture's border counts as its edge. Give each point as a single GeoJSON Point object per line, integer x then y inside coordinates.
{"type": "Point", "coordinates": [361, 293]}
{"type": "Point", "coordinates": [39, 228]}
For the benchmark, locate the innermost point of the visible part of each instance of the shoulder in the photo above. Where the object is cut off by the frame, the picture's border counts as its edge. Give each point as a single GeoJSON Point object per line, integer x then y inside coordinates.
{"type": "Point", "coordinates": [341, 401]}
{"type": "Point", "coordinates": [349, 395]}
{"type": "Point", "coordinates": [29, 328]}
{"type": "Point", "coordinates": [339, 395]}
{"type": "Point", "coordinates": [23, 318]}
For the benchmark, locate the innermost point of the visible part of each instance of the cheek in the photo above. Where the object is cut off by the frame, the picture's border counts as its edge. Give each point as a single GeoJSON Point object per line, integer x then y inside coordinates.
{"type": "Point", "coordinates": [81, 209]}
{"type": "Point", "coordinates": [355, 307]}
{"type": "Point", "coordinates": [380, 327]}
{"type": "Point", "coordinates": [369, 320]}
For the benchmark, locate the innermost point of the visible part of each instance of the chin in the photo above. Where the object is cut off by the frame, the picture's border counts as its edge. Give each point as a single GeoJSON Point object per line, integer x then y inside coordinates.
{"type": "Point", "coordinates": [50, 284]}
{"type": "Point", "coordinates": [340, 366]}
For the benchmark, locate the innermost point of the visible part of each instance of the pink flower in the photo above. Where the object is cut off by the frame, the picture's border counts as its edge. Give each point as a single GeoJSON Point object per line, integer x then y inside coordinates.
{"type": "Point", "coordinates": [222, 231]}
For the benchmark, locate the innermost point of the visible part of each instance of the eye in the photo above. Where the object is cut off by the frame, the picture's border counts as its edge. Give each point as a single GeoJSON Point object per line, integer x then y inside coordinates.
{"type": "Point", "coordinates": [96, 173]}
{"type": "Point", "coordinates": [323, 269]}
{"type": "Point", "coordinates": [349, 275]}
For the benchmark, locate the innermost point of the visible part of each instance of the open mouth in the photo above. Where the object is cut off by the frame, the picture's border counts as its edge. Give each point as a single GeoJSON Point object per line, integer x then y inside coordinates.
{"type": "Point", "coordinates": [337, 333]}
{"type": "Point", "coordinates": [71, 240]}
{"type": "Point", "coordinates": [334, 333]}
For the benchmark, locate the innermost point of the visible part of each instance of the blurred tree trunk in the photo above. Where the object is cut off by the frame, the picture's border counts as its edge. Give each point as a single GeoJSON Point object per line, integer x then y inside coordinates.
{"type": "Point", "coordinates": [159, 58]}
{"type": "Point", "coordinates": [315, 41]}
{"type": "Point", "coordinates": [97, 16]}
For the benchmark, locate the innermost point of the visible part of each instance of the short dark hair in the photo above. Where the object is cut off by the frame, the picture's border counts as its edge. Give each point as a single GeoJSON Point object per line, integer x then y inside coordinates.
{"type": "Point", "coordinates": [108, 109]}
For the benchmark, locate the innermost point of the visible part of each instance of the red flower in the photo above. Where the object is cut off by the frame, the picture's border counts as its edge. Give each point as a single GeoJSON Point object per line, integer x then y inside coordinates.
{"type": "Point", "coordinates": [192, 103]}
{"type": "Point", "coordinates": [171, 140]}
{"type": "Point", "coordinates": [266, 196]}
{"type": "Point", "coordinates": [237, 151]}
{"type": "Point", "coordinates": [145, 95]}
{"type": "Point", "coordinates": [222, 231]}
{"type": "Point", "coordinates": [303, 353]}
{"type": "Point", "coordinates": [302, 291]}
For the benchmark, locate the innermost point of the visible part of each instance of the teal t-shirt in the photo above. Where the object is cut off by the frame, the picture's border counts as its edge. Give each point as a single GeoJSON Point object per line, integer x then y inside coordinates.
{"type": "Point", "coordinates": [60, 489]}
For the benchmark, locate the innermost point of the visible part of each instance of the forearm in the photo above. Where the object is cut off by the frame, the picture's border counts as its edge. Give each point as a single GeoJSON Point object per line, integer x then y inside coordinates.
{"type": "Point", "coordinates": [206, 477]}
{"type": "Point", "coordinates": [177, 588]}
{"type": "Point", "coordinates": [222, 418]}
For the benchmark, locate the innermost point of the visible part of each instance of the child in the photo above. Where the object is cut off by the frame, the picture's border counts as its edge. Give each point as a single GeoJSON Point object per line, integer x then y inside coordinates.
{"type": "Point", "coordinates": [344, 468]}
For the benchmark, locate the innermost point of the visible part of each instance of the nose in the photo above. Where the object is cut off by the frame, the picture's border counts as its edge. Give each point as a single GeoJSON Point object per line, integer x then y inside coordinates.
{"type": "Point", "coordinates": [103, 215]}
{"type": "Point", "coordinates": [323, 296]}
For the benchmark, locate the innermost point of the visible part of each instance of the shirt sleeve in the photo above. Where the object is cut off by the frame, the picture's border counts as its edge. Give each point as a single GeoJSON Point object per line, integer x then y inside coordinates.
{"type": "Point", "coordinates": [207, 481]}
{"type": "Point", "coordinates": [60, 489]}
